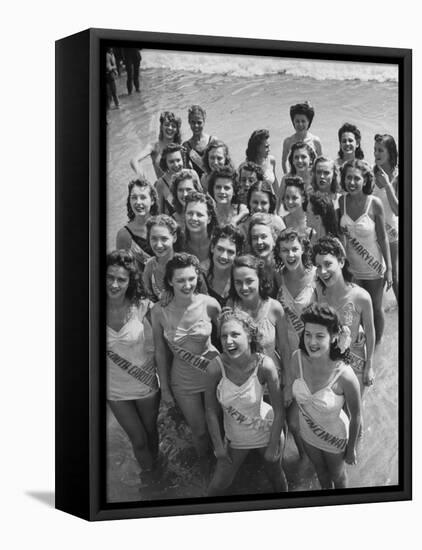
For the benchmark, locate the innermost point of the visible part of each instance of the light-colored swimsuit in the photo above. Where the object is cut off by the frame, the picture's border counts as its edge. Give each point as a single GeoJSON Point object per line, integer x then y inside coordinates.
{"type": "Point", "coordinates": [391, 221]}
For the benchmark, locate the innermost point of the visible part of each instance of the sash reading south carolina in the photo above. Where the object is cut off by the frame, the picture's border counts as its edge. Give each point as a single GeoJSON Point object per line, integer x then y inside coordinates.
{"type": "Point", "coordinates": [144, 374]}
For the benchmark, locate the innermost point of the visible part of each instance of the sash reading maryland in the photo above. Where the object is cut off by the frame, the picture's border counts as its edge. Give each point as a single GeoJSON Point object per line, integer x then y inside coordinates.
{"type": "Point", "coordinates": [144, 374]}
{"type": "Point", "coordinates": [375, 265]}
{"type": "Point", "coordinates": [321, 433]}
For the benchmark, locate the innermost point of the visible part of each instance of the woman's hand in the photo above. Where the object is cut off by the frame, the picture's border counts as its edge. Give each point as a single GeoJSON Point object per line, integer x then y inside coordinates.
{"type": "Point", "coordinates": [381, 177]}
{"type": "Point", "coordinates": [350, 456]}
{"type": "Point", "coordinates": [167, 397]}
{"type": "Point", "coordinates": [388, 278]}
{"type": "Point", "coordinates": [223, 453]}
{"type": "Point", "coordinates": [272, 453]}
{"type": "Point", "coordinates": [368, 375]}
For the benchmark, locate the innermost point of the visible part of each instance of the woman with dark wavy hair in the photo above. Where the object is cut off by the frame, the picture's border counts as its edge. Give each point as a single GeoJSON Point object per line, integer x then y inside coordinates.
{"type": "Point", "coordinates": [173, 160]}
{"type": "Point", "coordinates": [258, 151]}
{"type": "Point", "coordinates": [324, 385]}
{"type": "Point", "coordinates": [321, 217]}
{"type": "Point", "coordinates": [223, 188]}
{"type": "Point", "coordinates": [132, 388]}
{"type": "Point", "coordinates": [349, 138]}
{"type": "Point", "coordinates": [216, 155]}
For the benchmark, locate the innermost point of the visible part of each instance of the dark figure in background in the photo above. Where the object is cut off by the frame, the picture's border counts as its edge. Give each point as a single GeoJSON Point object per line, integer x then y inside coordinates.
{"type": "Point", "coordinates": [111, 73]}
{"type": "Point", "coordinates": [132, 58]}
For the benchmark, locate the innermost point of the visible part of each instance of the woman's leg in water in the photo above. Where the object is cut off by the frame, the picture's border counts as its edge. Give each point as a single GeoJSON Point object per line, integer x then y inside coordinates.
{"type": "Point", "coordinates": [336, 467]}
{"type": "Point", "coordinates": [193, 410]}
{"type": "Point", "coordinates": [293, 424]}
{"type": "Point", "coordinates": [318, 460]}
{"type": "Point", "coordinates": [394, 251]}
{"type": "Point", "coordinates": [148, 411]}
{"type": "Point", "coordinates": [375, 287]}
{"type": "Point", "coordinates": [226, 471]}
{"type": "Point", "coordinates": [275, 472]}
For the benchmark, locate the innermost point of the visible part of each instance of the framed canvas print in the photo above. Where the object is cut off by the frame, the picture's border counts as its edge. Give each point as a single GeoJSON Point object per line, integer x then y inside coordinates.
{"type": "Point", "coordinates": [231, 329]}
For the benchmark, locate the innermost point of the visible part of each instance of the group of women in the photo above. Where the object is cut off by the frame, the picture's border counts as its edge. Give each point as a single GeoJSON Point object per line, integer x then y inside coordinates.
{"type": "Point", "coordinates": [253, 305]}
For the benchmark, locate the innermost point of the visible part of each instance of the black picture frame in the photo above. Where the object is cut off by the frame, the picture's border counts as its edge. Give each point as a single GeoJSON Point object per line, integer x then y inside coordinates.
{"type": "Point", "coordinates": [80, 243]}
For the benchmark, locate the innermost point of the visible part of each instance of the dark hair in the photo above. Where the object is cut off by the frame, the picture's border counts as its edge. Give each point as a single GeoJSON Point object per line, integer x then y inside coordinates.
{"type": "Point", "coordinates": [304, 108]}
{"type": "Point", "coordinates": [229, 232]}
{"type": "Point", "coordinates": [325, 315]}
{"type": "Point", "coordinates": [367, 174]}
{"type": "Point", "coordinates": [196, 196]}
{"type": "Point", "coordinates": [262, 187]}
{"type": "Point", "coordinates": [196, 110]}
{"type": "Point", "coordinates": [331, 245]}
{"type": "Point", "coordinates": [124, 258]}
{"type": "Point", "coordinates": [288, 235]}
{"type": "Point", "coordinates": [296, 181]}
{"type": "Point", "coordinates": [335, 184]}
{"type": "Point", "coordinates": [168, 150]}
{"type": "Point", "coordinates": [235, 314]}
{"type": "Point", "coordinates": [184, 174]}
{"type": "Point", "coordinates": [323, 206]}
{"type": "Point", "coordinates": [214, 144]}
{"type": "Point", "coordinates": [250, 166]}
{"type": "Point", "coordinates": [390, 144]}
{"type": "Point", "coordinates": [265, 280]}
{"type": "Point", "coordinates": [168, 116]}
{"type": "Point", "coordinates": [295, 147]}
{"type": "Point", "coordinates": [351, 128]}
{"type": "Point", "coordinates": [180, 261]}
{"type": "Point", "coordinates": [257, 137]}
{"type": "Point", "coordinates": [225, 172]}
{"type": "Point", "coordinates": [142, 182]}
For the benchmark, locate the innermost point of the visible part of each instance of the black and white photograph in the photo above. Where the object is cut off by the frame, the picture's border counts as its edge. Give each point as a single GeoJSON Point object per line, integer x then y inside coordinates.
{"type": "Point", "coordinates": [252, 279]}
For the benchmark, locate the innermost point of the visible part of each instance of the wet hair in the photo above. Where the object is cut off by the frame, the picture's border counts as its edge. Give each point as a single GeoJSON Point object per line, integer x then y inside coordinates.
{"type": "Point", "coordinates": [168, 116]}
{"type": "Point", "coordinates": [326, 316]}
{"type": "Point", "coordinates": [184, 174]}
{"type": "Point", "coordinates": [181, 260]}
{"type": "Point", "coordinates": [225, 172]}
{"type": "Point", "coordinates": [250, 166]}
{"type": "Point", "coordinates": [229, 232]}
{"type": "Point", "coordinates": [390, 144]}
{"type": "Point", "coordinates": [234, 314]}
{"type": "Point", "coordinates": [304, 108]}
{"type": "Point", "coordinates": [288, 235]}
{"type": "Point", "coordinates": [142, 182]}
{"type": "Point", "coordinates": [124, 258]}
{"type": "Point", "coordinates": [257, 137]}
{"type": "Point", "coordinates": [265, 287]}
{"type": "Point", "coordinates": [296, 181]}
{"type": "Point", "coordinates": [262, 218]}
{"type": "Point", "coordinates": [215, 144]}
{"type": "Point", "coordinates": [164, 221]}
{"type": "Point", "coordinates": [262, 187]}
{"type": "Point", "coordinates": [367, 174]}
{"type": "Point", "coordinates": [168, 150]}
{"type": "Point", "coordinates": [331, 245]}
{"type": "Point", "coordinates": [295, 147]}
{"type": "Point", "coordinates": [196, 110]}
{"type": "Point", "coordinates": [335, 183]}
{"type": "Point", "coordinates": [323, 206]}
{"type": "Point", "coordinates": [196, 196]}
{"type": "Point", "coordinates": [347, 127]}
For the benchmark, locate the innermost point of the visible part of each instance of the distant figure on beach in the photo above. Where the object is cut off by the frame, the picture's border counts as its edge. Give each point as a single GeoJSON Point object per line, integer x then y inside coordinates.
{"type": "Point", "coordinates": [173, 160]}
{"type": "Point", "coordinates": [183, 183]}
{"type": "Point", "coordinates": [323, 387]}
{"type": "Point", "coordinates": [349, 138]}
{"type": "Point", "coordinates": [216, 155]}
{"type": "Point", "coordinates": [170, 132]}
{"type": "Point", "coordinates": [132, 59]}
{"type": "Point", "coordinates": [302, 115]}
{"type": "Point", "coordinates": [386, 173]}
{"type": "Point", "coordinates": [111, 73]}
{"type": "Point", "coordinates": [196, 145]}
{"type": "Point", "coordinates": [223, 188]}
{"type": "Point", "coordinates": [236, 381]}
{"type": "Point", "coordinates": [326, 179]}
{"type": "Point", "coordinates": [249, 173]}
{"type": "Point", "coordinates": [258, 151]}
{"type": "Point", "coordinates": [132, 387]}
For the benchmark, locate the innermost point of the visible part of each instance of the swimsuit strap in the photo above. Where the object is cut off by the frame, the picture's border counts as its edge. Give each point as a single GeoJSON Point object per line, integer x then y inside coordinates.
{"type": "Point", "coordinates": [368, 205]}
{"type": "Point", "coordinates": [344, 205]}
{"type": "Point", "coordinates": [339, 373]}
{"type": "Point", "coordinates": [299, 357]}
{"type": "Point", "coordinates": [131, 233]}
{"type": "Point", "coordinates": [220, 361]}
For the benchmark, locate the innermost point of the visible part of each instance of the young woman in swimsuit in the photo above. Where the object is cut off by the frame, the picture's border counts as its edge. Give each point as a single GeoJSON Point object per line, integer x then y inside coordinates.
{"type": "Point", "coordinates": [349, 138]}
{"type": "Point", "coordinates": [184, 182]}
{"type": "Point", "coordinates": [249, 173]}
{"type": "Point", "coordinates": [258, 151]}
{"type": "Point", "coordinates": [132, 388]}
{"type": "Point", "coordinates": [173, 160]}
{"type": "Point", "coordinates": [351, 302]}
{"type": "Point", "coordinates": [223, 187]}
{"type": "Point", "coordinates": [196, 145]}
{"type": "Point", "coordinates": [323, 386]}
{"type": "Point", "coordinates": [216, 155]}
{"type": "Point", "coordinates": [301, 160]}
{"type": "Point", "coordinates": [363, 225]}
{"type": "Point", "coordinates": [326, 179]}
{"type": "Point", "coordinates": [141, 204]}
{"type": "Point", "coordinates": [170, 126]}
{"type": "Point", "coordinates": [295, 202]}
{"type": "Point", "coordinates": [321, 217]}
{"type": "Point", "coordinates": [236, 381]}
{"type": "Point", "coordinates": [182, 327]}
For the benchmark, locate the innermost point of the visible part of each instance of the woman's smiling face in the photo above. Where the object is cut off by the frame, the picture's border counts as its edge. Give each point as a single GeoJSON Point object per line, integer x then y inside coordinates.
{"type": "Point", "coordinates": [234, 339]}
{"type": "Point", "coordinates": [262, 240]}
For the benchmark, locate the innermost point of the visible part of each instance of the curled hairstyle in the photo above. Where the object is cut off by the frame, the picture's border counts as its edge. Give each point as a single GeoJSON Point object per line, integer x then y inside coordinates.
{"type": "Point", "coordinates": [124, 258]}
{"type": "Point", "coordinates": [390, 144]}
{"type": "Point", "coordinates": [331, 245]}
{"type": "Point", "coordinates": [234, 314]}
{"type": "Point", "coordinates": [181, 260]}
{"type": "Point", "coordinates": [196, 196]}
{"type": "Point", "coordinates": [215, 144]}
{"type": "Point", "coordinates": [323, 206]}
{"type": "Point", "coordinates": [168, 150]}
{"type": "Point", "coordinates": [296, 181]}
{"type": "Point", "coordinates": [335, 184]}
{"type": "Point", "coordinates": [325, 315]}
{"type": "Point", "coordinates": [289, 235]}
{"type": "Point", "coordinates": [351, 128]}
{"type": "Point", "coordinates": [196, 110]}
{"type": "Point", "coordinates": [164, 221]}
{"type": "Point", "coordinates": [229, 232]}
{"type": "Point", "coordinates": [262, 218]}
{"type": "Point", "coordinates": [168, 116]}
{"type": "Point", "coordinates": [265, 287]}
{"type": "Point", "coordinates": [225, 172]}
{"type": "Point", "coordinates": [305, 109]}
{"type": "Point", "coordinates": [295, 147]}
{"type": "Point", "coordinates": [367, 174]}
{"type": "Point", "coordinates": [254, 142]}
{"type": "Point", "coordinates": [184, 174]}
{"type": "Point", "coordinates": [143, 183]}
{"type": "Point", "coordinates": [250, 166]}
{"type": "Point", "coordinates": [263, 187]}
